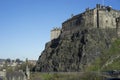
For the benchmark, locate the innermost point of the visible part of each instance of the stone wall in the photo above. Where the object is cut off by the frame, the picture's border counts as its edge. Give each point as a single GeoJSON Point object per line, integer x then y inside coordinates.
{"type": "Point", "coordinates": [107, 18]}
{"type": "Point", "coordinates": [80, 20]}
{"type": "Point", "coordinates": [55, 33]}
{"type": "Point", "coordinates": [99, 17]}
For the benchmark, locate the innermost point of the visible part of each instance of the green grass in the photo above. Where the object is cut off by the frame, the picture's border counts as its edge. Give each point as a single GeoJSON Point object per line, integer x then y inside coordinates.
{"type": "Point", "coordinates": [107, 56]}
{"type": "Point", "coordinates": [66, 76]}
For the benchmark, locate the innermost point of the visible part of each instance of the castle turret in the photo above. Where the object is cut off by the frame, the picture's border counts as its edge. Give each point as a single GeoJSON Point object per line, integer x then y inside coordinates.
{"type": "Point", "coordinates": [98, 6]}
{"type": "Point", "coordinates": [55, 33]}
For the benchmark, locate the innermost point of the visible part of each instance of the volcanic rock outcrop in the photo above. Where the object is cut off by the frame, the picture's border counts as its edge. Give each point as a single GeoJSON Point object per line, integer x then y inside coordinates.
{"type": "Point", "coordinates": [82, 39]}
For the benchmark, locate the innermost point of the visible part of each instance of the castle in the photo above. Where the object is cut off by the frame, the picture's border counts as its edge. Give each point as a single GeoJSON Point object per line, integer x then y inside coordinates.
{"type": "Point", "coordinates": [55, 33]}
{"type": "Point", "coordinates": [100, 17]}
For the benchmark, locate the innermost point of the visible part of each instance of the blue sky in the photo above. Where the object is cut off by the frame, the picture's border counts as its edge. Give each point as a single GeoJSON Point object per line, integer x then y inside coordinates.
{"type": "Point", "coordinates": [25, 24]}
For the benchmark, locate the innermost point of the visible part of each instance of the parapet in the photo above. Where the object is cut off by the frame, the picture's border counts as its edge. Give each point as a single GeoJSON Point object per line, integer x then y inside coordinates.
{"type": "Point", "coordinates": [56, 29]}
{"type": "Point", "coordinates": [99, 6]}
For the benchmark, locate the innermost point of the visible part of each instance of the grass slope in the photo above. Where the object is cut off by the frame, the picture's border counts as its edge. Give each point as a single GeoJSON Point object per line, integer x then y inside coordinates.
{"type": "Point", "coordinates": [109, 59]}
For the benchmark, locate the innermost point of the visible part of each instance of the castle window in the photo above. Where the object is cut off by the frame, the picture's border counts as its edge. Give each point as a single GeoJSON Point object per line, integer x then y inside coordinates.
{"type": "Point", "coordinates": [106, 21]}
{"type": "Point", "coordinates": [108, 8]}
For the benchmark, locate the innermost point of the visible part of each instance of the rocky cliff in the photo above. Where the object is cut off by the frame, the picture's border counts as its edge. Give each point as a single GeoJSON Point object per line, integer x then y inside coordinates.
{"type": "Point", "coordinates": [83, 39]}
{"type": "Point", "coordinates": [76, 51]}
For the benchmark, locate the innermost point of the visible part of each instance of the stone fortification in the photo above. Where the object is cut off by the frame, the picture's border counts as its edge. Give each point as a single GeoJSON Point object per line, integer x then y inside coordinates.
{"type": "Point", "coordinates": [55, 33]}
{"type": "Point", "coordinates": [83, 38]}
{"type": "Point", "coordinates": [99, 17]}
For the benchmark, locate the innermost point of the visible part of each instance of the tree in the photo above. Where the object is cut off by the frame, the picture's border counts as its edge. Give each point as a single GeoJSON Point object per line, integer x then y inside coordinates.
{"type": "Point", "coordinates": [8, 60]}
{"type": "Point", "coordinates": [18, 60]}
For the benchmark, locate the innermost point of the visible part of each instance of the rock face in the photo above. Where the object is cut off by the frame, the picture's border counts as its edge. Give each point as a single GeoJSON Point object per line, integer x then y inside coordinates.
{"type": "Point", "coordinates": [78, 45]}
{"type": "Point", "coordinates": [76, 51]}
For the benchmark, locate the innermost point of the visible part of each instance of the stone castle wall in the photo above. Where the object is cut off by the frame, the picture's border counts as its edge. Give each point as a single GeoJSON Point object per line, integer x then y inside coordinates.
{"type": "Point", "coordinates": [99, 17]}
{"type": "Point", "coordinates": [107, 17]}
{"type": "Point", "coordinates": [55, 33]}
{"type": "Point", "coordinates": [84, 19]}
{"type": "Point", "coordinates": [78, 22]}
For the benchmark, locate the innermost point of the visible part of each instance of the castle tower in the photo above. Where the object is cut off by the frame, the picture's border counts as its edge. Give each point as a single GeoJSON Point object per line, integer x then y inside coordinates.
{"type": "Point", "coordinates": [105, 16]}
{"type": "Point", "coordinates": [55, 33]}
